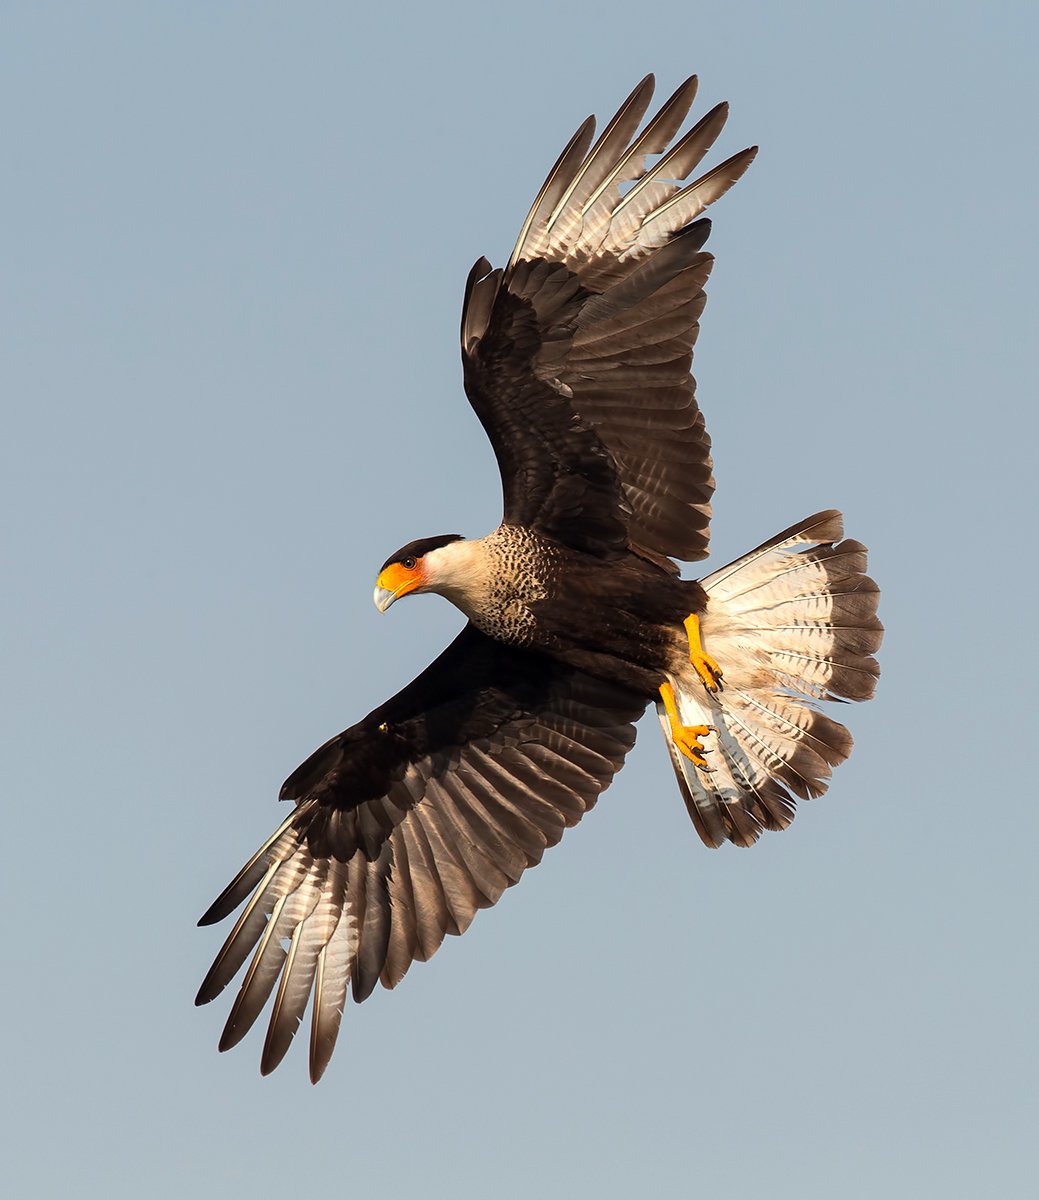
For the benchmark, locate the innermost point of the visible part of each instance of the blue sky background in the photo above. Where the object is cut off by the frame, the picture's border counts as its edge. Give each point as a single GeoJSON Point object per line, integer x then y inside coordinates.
{"type": "Point", "coordinates": [234, 242]}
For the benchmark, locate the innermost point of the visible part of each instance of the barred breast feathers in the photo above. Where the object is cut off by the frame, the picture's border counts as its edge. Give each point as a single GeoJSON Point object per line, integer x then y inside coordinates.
{"type": "Point", "coordinates": [494, 579]}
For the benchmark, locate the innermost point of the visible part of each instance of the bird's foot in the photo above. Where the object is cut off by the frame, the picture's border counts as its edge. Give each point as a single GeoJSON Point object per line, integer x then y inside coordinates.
{"type": "Point", "coordinates": [705, 666]}
{"type": "Point", "coordinates": [686, 737]}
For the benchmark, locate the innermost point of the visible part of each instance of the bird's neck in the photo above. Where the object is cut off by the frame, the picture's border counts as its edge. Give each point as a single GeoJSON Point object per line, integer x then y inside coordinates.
{"type": "Point", "coordinates": [492, 580]}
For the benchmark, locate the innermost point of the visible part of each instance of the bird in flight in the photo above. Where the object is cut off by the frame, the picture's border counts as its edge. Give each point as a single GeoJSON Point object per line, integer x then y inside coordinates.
{"type": "Point", "coordinates": [576, 359]}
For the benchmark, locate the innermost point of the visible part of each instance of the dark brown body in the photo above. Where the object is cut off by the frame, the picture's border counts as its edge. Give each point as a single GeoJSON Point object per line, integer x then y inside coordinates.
{"type": "Point", "coordinates": [617, 615]}
{"type": "Point", "coordinates": [621, 620]}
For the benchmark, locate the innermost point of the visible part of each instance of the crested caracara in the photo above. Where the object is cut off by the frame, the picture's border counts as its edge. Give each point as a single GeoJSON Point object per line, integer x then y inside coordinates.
{"type": "Point", "coordinates": [576, 359]}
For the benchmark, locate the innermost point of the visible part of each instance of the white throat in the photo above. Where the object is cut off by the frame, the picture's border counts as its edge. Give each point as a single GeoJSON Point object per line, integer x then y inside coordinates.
{"type": "Point", "coordinates": [463, 572]}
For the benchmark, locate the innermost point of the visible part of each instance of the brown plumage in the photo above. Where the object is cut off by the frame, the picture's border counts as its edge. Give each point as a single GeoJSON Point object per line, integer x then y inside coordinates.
{"type": "Point", "coordinates": [576, 359]}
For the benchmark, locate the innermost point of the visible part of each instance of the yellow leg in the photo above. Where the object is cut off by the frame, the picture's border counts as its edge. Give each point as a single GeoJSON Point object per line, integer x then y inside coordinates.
{"type": "Point", "coordinates": [708, 670]}
{"type": "Point", "coordinates": [686, 737]}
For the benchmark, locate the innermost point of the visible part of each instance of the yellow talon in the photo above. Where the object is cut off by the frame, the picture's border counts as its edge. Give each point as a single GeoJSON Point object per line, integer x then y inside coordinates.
{"type": "Point", "coordinates": [705, 666]}
{"type": "Point", "coordinates": [686, 737]}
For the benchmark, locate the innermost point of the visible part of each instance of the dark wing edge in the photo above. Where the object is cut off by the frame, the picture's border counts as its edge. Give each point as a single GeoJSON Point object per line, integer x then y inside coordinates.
{"type": "Point", "coordinates": [577, 356]}
{"type": "Point", "coordinates": [405, 826]}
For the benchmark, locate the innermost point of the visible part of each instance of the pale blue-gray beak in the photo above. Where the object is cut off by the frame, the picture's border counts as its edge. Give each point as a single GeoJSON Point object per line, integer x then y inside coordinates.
{"type": "Point", "coordinates": [383, 598]}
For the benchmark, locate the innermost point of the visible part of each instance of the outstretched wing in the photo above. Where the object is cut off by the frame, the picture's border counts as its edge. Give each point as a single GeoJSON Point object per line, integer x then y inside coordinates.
{"type": "Point", "coordinates": [405, 825]}
{"type": "Point", "coordinates": [577, 355]}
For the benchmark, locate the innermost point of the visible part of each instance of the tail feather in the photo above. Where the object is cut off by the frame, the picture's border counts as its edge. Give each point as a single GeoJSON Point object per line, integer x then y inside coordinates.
{"type": "Point", "coordinates": [792, 622]}
{"type": "Point", "coordinates": [742, 573]}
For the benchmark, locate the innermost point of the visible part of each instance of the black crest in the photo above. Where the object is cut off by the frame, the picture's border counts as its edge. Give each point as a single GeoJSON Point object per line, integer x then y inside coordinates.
{"type": "Point", "coordinates": [422, 546]}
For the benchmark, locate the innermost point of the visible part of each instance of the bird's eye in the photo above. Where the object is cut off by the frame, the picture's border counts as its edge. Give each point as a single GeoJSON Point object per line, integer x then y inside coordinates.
{"type": "Point", "coordinates": [408, 563]}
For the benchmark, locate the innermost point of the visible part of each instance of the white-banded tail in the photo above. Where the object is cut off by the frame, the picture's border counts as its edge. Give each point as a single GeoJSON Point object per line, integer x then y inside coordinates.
{"type": "Point", "coordinates": [790, 623]}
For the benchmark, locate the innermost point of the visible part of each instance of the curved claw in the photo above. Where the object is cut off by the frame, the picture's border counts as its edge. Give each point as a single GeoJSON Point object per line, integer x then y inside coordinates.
{"type": "Point", "coordinates": [710, 673]}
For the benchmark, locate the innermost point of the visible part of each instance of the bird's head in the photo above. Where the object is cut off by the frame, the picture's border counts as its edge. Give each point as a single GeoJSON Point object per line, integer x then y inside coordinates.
{"type": "Point", "coordinates": [411, 569]}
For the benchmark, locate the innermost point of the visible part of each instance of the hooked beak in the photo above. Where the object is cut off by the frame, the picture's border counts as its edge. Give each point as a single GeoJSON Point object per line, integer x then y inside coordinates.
{"type": "Point", "coordinates": [383, 598]}
{"type": "Point", "coordinates": [393, 582]}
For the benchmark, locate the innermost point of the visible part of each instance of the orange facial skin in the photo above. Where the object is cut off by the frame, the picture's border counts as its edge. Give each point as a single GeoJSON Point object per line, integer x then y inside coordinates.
{"type": "Point", "coordinates": [398, 580]}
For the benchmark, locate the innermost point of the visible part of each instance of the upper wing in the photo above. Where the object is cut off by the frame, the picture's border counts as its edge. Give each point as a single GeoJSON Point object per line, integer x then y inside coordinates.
{"type": "Point", "coordinates": [577, 355]}
{"type": "Point", "coordinates": [408, 823]}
